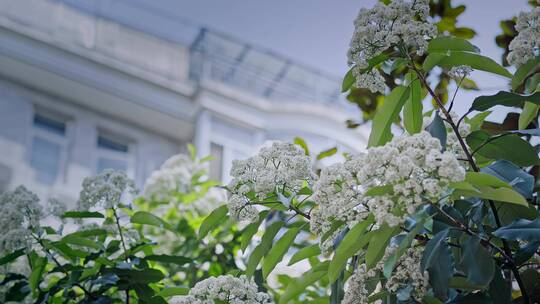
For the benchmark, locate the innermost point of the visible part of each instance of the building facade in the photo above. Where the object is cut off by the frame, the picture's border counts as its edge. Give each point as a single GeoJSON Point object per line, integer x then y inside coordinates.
{"type": "Point", "coordinates": [82, 91]}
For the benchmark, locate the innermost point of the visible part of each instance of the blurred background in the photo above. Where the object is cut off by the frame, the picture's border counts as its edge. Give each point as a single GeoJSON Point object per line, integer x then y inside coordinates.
{"type": "Point", "coordinates": [87, 85]}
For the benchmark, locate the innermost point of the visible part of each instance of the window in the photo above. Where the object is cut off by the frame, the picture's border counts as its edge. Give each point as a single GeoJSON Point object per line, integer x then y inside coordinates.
{"type": "Point", "coordinates": [114, 152]}
{"type": "Point", "coordinates": [49, 143]}
{"type": "Point", "coordinates": [216, 165]}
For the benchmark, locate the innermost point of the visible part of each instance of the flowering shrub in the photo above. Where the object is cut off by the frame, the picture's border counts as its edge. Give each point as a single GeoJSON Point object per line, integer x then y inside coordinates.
{"type": "Point", "coordinates": [440, 208]}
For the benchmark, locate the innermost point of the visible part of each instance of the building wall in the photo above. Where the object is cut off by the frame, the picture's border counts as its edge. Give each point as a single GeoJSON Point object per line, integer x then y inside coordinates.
{"type": "Point", "coordinates": [80, 151]}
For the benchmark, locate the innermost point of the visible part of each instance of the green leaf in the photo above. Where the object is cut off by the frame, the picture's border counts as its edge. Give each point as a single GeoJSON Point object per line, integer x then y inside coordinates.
{"type": "Point", "coordinates": [510, 147]}
{"type": "Point", "coordinates": [443, 44]}
{"type": "Point", "coordinates": [327, 153]}
{"type": "Point", "coordinates": [213, 220]}
{"type": "Point", "coordinates": [439, 263]}
{"type": "Point", "coordinates": [89, 232]}
{"type": "Point", "coordinates": [147, 218]}
{"type": "Point", "coordinates": [173, 291]}
{"type": "Point", "coordinates": [169, 259]}
{"type": "Point", "coordinates": [386, 114]}
{"type": "Point", "coordinates": [38, 266]}
{"type": "Point", "coordinates": [379, 190]}
{"type": "Point", "coordinates": [503, 98]}
{"type": "Point", "coordinates": [353, 241]}
{"type": "Point", "coordinates": [506, 171]}
{"type": "Point", "coordinates": [520, 230]}
{"type": "Point", "coordinates": [250, 230]}
{"type": "Point", "coordinates": [81, 241]}
{"type": "Point", "coordinates": [390, 263]}
{"type": "Point", "coordinates": [462, 284]}
{"type": "Point", "coordinates": [524, 71]}
{"type": "Point", "coordinates": [302, 143]}
{"type": "Point", "coordinates": [437, 129]}
{"type": "Point", "coordinates": [412, 110]}
{"type": "Point", "coordinates": [497, 194]}
{"type": "Point", "coordinates": [192, 151]}
{"type": "Point", "coordinates": [304, 253]}
{"type": "Point", "coordinates": [348, 81]}
{"type": "Point", "coordinates": [499, 290]}
{"type": "Point", "coordinates": [378, 243]}
{"type": "Point", "coordinates": [12, 256]}
{"type": "Point", "coordinates": [477, 262]}
{"type": "Point", "coordinates": [299, 285]}
{"type": "Point", "coordinates": [528, 114]}
{"type": "Point", "coordinates": [477, 120]}
{"type": "Point", "coordinates": [82, 214]}
{"type": "Point", "coordinates": [144, 276]}
{"type": "Point", "coordinates": [457, 58]}
{"type": "Point", "coordinates": [278, 250]}
{"type": "Point", "coordinates": [484, 179]}
{"type": "Point", "coordinates": [260, 251]}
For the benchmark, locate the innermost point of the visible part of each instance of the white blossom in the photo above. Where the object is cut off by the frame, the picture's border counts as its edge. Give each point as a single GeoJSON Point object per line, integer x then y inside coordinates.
{"type": "Point", "coordinates": [412, 165]}
{"type": "Point", "coordinates": [406, 274]}
{"type": "Point", "coordinates": [20, 213]}
{"type": "Point", "coordinates": [385, 26]}
{"type": "Point", "coordinates": [526, 44]}
{"type": "Point", "coordinates": [459, 72]}
{"type": "Point", "coordinates": [225, 288]}
{"type": "Point", "coordinates": [105, 190]}
{"type": "Point", "coordinates": [174, 176]}
{"type": "Point", "coordinates": [279, 168]}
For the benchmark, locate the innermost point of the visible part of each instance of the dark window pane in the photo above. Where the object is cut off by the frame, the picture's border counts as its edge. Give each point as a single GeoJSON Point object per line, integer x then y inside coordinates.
{"type": "Point", "coordinates": [111, 144]}
{"type": "Point", "coordinates": [49, 124]}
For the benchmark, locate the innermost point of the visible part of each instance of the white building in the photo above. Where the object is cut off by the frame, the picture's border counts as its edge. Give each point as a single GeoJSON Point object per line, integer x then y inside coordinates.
{"type": "Point", "coordinates": [80, 92]}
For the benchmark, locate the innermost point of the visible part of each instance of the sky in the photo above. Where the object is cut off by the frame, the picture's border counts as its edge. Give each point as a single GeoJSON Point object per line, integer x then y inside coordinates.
{"type": "Point", "coordinates": [313, 32]}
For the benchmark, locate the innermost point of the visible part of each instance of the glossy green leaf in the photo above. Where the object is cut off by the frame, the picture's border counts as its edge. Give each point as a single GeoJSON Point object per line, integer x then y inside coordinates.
{"type": "Point", "coordinates": [412, 110]}
{"type": "Point", "coordinates": [386, 114]}
{"type": "Point", "coordinates": [82, 214]}
{"type": "Point", "coordinates": [503, 98]}
{"type": "Point", "coordinates": [484, 179]}
{"type": "Point", "coordinates": [348, 81]}
{"type": "Point", "coordinates": [173, 291]}
{"type": "Point", "coordinates": [169, 259]}
{"type": "Point", "coordinates": [497, 194]}
{"type": "Point", "coordinates": [391, 261]}
{"type": "Point", "coordinates": [278, 250]}
{"type": "Point", "coordinates": [250, 230]}
{"type": "Point", "coordinates": [353, 241]}
{"type": "Point", "coordinates": [299, 285]}
{"type": "Point", "coordinates": [477, 120]}
{"type": "Point", "coordinates": [213, 220]}
{"type": "Point", "coordinates": [457, 58]}
{"type": "Point", "coordinates": [304, 253]}
{"type": "Point", "coordinates": [147, 218]}
{"type": "Point", "coordinates": [506, 171]}
{"type": "Point", "coordinates": [499, 290]}
{"type": "Point", "coordinates": [38, 265]}
{"type": "Point", "coordinates": [81, 241]}
{"type": "Point", "coordinates": [477, 262]}
{"type": "Point", "coordinates": [528, 114]}
{"type": "Point", "coordinates": [302, 143]}
{"type": "Point", "coordinates": [439, 263]}
{"type": "Point", "coordinates": [437, 129]}
{"type": "Point", "coordinates": [12, 256]}
{"type": "Point", "coordinates": [326, 153]}
{"type": "Point", "coordinates": [443, 44]}
{"type": "Point", "coordinates": [520, 230]}
{"type": "Point", "coordinates": [524, 71]}
{"type": "Point", "coordinates": [262, 249]}
{"type": "Point", "coordinates": [378, 243]}
{"type": "Point", "coordinates": [510, 147]}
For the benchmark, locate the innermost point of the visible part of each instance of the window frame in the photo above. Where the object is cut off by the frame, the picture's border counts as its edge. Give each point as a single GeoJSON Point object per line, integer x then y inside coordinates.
{"type": "Point", "coordinates": [103, 153]}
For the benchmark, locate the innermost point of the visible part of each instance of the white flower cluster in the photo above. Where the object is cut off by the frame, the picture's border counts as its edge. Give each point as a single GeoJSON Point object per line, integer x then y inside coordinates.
{"type": "Point", "coordinates": [281, 167]}
{"type": "Point", "coordinates": [413, 165]}
{"type": "Point", "coordinates": [105, 190]}
{"type": "Point", "coordinates": [227, 289]}
{"type": "Point", "coordinates": [407, 274]}
{"type": "Point", "coordinates": [20, 212]}
{"type": "Point", "coordinates": [459, 72]}
{"type": "Point", "coordinates": [174, 176]}
{"type": "Point", "coordinates": [526, 44]}
{"type": "Point", "coordinates": [385, 26]}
